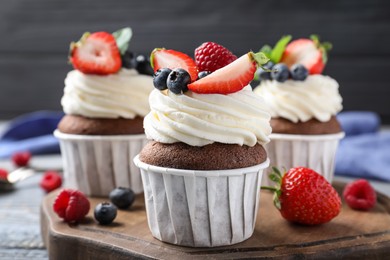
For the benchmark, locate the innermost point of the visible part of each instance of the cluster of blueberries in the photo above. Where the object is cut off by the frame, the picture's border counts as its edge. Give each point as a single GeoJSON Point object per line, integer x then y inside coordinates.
{"type": "Point", "coordinates": [280, 72]}
{"type": "Point", "coordinates": [175, 80]}
{"type": "Point", "coordinates": [139, 62]}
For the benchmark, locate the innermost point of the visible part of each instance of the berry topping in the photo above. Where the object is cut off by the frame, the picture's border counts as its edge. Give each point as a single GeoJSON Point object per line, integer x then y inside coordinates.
{"type": "Point", "coordinates": [71, 205]}
{"type": "Point", "coordinates": [178, 80]}
{"type": "Point", "coordinates": [122, 197]}
{"type": "Point", "coordinates": [299, 72]}
{"type": "Point", "coordinates": [96, 53]}
{"type": "Point", "coordinates": [303, 196]}
{"type": "Point", "coordinates": [360, 195]}
{"type": "Point", "coordinates": [231, 78]}
{"type": "Point", "coordinates": [211, 56]}
{"type": "Point", "coordinates": [50, 181]}
{"type": "Point", "coordinates": [160, 78]}
{"type": "Point", "coordinates": [129, 60]}
{"type": "Point", "coordinates": [280, 72]}
{"type": "Point", "coordinates": [3, 174]}
{"type": "Point", "coordinates": [143, 65]}
{"type": "Point", "coordinates": [21, 159]}
{"type": "Point", "coordinates": [162, 58]}
{"type": "Point", "coordinates": [203, 74]}
{"type": "Point", "coordinates": [105, 213]}
{"type": "Point", "coordinates": [308, 52]}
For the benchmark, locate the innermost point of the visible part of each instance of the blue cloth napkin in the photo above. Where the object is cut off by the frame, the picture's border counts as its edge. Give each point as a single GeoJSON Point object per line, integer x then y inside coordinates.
{"type": "Point", "coordinates": [365, 151]}
{"type": "Point", "coordinates": [31, 132]}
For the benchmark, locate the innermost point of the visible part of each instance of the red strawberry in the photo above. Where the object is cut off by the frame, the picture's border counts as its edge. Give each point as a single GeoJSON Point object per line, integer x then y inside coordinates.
{"type": "Point", "coordinates": [3, 174]}
{"type": "Point", "coordinates": [305, 197]}
{"type": "Point", "coordinates": [96, 53]}
{"type": "Point", "coordinates": [360, 195]}
{"type": "Point", "coordinates": [50, 181]}
{"type": "Point", "coordinates": [21, 159]}
{"type": "Point", "coordinates": [71, 205]}
{"type": "Point", "coordinates": [308, 52]}
{"type": "Point", "coordinates": [211, 56]}
{"type": "Point", "coordinates": [162, 58]}
{"type": "Point", "coordinates": [229, 79]}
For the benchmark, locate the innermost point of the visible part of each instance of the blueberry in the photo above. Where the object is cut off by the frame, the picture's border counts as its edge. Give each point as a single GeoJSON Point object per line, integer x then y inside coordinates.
{"type": "Point", "coordinates": [299, 72]}
{"type": "Point", "coordinates": [203, 74]}
{"type": "Point", "coordinates": [269, 65]}
{"type": "Point", "coordinates": [143, 65]}
{"type": "Point", "coordinates": [178, 80]}
{"type": "Point", "coordinates": [160, 78]}
{"type": "Point", "coordinates": [105, 213]}
{"type": "Point", "coordinates": [280, 72]}
{"type": "Point", "coordinates": [122, 197]}
{"type": "Point", "coordinates": [128, 60]}
{"type": "Point", "coordinates": [263, 74]}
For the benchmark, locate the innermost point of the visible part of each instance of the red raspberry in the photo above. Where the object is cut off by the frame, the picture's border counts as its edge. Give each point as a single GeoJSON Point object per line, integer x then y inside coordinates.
{"type": "Point", "coordinates": [211, 56]}
{"type": "Point", "coordinates": [360, 195]}
{"type": "Point", "coordinates": [21, 159]}
{"type": "Point", "coordinates": [50, 181]}
{"type": "Point", "coordinates": [71, 205]}
{"type": "Point", "coordinates": [3, 174]}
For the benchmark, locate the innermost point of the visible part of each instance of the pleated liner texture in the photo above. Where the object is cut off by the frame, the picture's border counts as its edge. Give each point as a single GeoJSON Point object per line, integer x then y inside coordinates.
{"type": "Point", "coordinates": [313, 151]}
{"type": "Point", "coordinates": [96, 165]}
{"type": "Point", "coordinates": [201, 208]}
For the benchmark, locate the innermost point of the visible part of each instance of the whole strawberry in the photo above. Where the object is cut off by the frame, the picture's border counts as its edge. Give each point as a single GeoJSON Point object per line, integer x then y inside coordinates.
{"type": "Point", "coordinates": [211, 56]}
{"type": "Point", "coordinates": [71, 205]}
{"type": "Point", "coordinates": [304, 196]}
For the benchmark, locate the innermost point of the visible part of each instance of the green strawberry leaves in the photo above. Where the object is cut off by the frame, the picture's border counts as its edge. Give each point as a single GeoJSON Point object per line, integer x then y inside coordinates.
{"type": "Point", "coordinates": [122, 38]}
{"type": "Point", "coordinates": [275, 53]}
{"type": "Point", "coordinates": [260, 58]}
{"type": "Point", "coordinates": [324, 47]}
{"type": "Point", "coordinates": [275, 176]}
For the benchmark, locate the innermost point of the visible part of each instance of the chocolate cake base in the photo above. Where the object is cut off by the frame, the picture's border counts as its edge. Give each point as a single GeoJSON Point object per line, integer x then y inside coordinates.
{"type": "Point", "coordinates": [79, 125]}
{"type": "Point", "coordinates": [216, 156]}
{"type": "Point", "coordinates": [311, 127]}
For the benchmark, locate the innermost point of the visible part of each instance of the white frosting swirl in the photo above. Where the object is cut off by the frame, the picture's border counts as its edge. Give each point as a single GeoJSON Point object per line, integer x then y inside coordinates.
{"type": "Point", "coordinates": [201, 119]}
{"type": "Point", "coordinates": [124, 94]}
{"type": "Point", "coordinates": [316, 97]}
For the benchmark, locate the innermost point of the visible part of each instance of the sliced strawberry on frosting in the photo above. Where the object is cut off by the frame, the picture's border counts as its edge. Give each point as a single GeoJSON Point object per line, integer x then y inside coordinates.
{"type": "Point", "coordinates": [308, 52]}
{"type": "Point", "coordinates": [162, 58]}
{"type": "Point", "coordinates": [231, 78]}
{"type": "Point", "coordinates": [96, 53]}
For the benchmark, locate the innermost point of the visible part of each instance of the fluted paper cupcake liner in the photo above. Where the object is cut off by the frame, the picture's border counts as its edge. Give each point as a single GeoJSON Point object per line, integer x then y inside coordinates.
{"type": "Point", "coordinates": [201, 208]}
{"type": "Point", "coordinates": [313, 151]}
{"type": "Point", "coordinates": [96, 165]}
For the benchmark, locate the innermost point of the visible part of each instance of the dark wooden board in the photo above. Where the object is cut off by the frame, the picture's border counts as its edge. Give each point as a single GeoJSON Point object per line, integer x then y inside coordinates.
{"type": "Point", "coordinates": [351, 235]}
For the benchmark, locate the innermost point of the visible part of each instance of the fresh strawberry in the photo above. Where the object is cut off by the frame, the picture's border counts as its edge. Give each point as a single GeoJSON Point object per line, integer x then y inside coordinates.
{"type": "Point", "coordinates": [211, 56]}
{"type": "Point", "coordinates": [96, 53]}
{"type": "Point", "coordinates": [162, 58]}
{"type": "Point", "coordinates": [304, 196]}
{"type": "Point", "coordinates": [71, 205]}
{"type": "Point", "coordinates": [3, 174]}
{"type": "Point", "coordinates": [360, 195]}
{"type": "Point", "coordinates": [50, 181]}
{"type": "Point", "coordinates": [308, 52]}
{"type": "Point", "coordinates": [229, 79]}
{"type": "Point", "coordinates": [21, 159]}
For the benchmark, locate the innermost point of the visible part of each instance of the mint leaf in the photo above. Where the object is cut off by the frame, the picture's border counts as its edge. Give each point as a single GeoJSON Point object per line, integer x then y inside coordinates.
{"type": "Point", "coordinates": [122, 38]}
{"type": "Point", "coordinates": [267, 50]}
{"type": "Point", "coordinates": [279, 48]}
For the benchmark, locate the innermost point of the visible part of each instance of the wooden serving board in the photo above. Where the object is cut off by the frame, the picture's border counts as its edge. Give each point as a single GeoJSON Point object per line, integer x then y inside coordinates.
{"type": "Point", "coordinates": [352, 234]}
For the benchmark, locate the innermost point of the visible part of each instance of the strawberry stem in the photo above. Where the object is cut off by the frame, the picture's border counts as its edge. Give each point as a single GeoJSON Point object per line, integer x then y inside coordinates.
{"type": "Point", "coordinates": [269, 188]}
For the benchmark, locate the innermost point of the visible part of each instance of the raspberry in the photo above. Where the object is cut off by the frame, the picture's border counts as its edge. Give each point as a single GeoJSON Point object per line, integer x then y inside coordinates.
{"type": "Point", "coordinates": [360, 195]}
{"type": "Point", "coordinates": [3, 174]}
{"type": "Point", "coordinates": [71, 205]}
{"type": "Point", "coordinates": [50, 181]}
{"type": "Point", "coordinates": [21, 159]}
{"type": "Point", "coordinates": [211, 56]}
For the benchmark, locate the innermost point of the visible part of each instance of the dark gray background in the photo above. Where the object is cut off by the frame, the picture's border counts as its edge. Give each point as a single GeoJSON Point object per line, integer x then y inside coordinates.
{"type": "Point", "coordinates": [35, 36]}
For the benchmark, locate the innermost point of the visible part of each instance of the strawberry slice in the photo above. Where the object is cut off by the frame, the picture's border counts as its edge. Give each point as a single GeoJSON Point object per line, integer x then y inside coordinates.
{"type": "Point", "coordinates": [308, 52]}
{"type": "Point", "coordinates": [162, 58]}
{"type": "Point", "coordinates": [229, 79]}
{"type": "Point", "coordinates": [96, 53]}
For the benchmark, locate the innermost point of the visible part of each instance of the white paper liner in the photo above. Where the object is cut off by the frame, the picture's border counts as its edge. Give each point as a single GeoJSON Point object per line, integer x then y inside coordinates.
{"type": "Point", "coordinates": [96, 165]}
{"type": "Point", "coordinates": [313, 151]}
{"type": "Point", "coordinates": [201, 208]}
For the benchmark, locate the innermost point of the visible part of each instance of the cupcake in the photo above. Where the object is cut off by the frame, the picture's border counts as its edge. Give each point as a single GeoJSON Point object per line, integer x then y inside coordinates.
{"type": "Point", "coordinates": [105, 100]}
{"type": "Point", "coordinates": [202, 168]}
{"type": "Point", "coordinates": [303, 104]}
